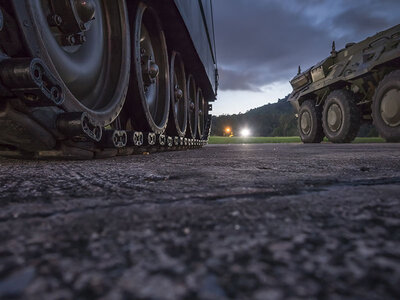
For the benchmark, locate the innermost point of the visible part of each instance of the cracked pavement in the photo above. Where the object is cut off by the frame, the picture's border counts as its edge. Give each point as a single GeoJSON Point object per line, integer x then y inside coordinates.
{"type": "Point", "coordinates": [273, 221]}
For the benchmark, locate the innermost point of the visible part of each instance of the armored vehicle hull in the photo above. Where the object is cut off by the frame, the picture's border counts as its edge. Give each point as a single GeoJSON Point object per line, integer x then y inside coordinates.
{"type": "Point", "coordinates": [98, 78]}
{"type": "Point", "coordinates": [360, 83]}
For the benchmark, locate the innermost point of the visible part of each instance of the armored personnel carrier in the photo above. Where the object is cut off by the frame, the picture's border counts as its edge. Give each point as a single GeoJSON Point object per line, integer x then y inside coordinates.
{"type": "Point", "coordinates": [99, 78]}
{"type": "Point", "coordinates": [360, 83]}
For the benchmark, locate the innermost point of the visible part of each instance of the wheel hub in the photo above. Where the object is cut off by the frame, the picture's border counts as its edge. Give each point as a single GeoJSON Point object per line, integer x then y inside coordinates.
{"type": "Point", "coordinates": [334, 117]}
{"type": "Point", "coordinates": [72, 18]}
{"type": "Point", "coordinates": [150, 70]}
{"type": "Point", "coordinates": [178, 93]}
{"type": "Point", "coordinates": [85, 9]}
{"type": "Point", "coordinates": [390, 108]}
{"type": "Point", "coordinates": [305, 122]}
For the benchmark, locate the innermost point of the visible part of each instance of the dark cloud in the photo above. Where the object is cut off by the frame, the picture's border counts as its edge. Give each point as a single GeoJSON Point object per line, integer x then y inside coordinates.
{"type": "Point", "coordinates": [360, 22]}
{"type": "Point", "coordinates": [238, 81]}
{"type": "Point", "coordinates": [263, 41]}
{"type": "Point", "coordinates": [356, 21]}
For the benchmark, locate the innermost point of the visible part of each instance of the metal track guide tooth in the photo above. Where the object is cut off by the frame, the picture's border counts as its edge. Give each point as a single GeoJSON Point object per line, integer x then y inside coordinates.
{"type": "Point", "coordinates": [78, 124]}
{"type": "Point", "coordinates": [170, 141]}
{"type": "Point", "coordinates": [114, 139]}
{"type": "Point", "coordinates": [162, 140]}
{"type": "Point", "coordinates": [135, 138]}
{"type": "Point", "coordinates": [150, 139]}
{"type": "Point", "coordinates": [31, 80]}
{"type": "Point", "coordinates": [176, 141]}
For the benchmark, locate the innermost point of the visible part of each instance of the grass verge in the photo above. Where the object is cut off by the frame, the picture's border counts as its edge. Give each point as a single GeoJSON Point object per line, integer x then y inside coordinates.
{"type": "Point", "coordinates": [265, 140]}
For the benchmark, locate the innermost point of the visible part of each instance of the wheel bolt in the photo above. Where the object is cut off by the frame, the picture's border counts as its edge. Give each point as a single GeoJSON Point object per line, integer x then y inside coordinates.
{"type": "Point", "coordinates": [80, 39]}
{"type": "Point", "coordinates": [82, 26]}
{"type": "Point", "coordinates": [192, 106]}
{"type": "Point", "coordinates": [55, 20]}
{"type": "Point", "coordinates": [69, 40]}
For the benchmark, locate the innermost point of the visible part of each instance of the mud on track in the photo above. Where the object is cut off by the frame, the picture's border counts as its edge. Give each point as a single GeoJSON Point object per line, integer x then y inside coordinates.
{"type": "Point", "coordinates": [283, 221]}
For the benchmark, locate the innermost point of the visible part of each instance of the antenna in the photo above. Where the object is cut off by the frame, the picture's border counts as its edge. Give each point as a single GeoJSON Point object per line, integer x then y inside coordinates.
{"type": "Point", "coordinates": [299, 71]}
{"type": "Point", "coordinates": [333, 52]}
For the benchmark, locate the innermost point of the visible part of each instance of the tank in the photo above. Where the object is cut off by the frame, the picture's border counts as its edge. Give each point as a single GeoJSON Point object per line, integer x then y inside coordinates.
{"type": "Point", "coordinates": [360, 83]}
{"type": "Point", "coordinates": [88, 79]}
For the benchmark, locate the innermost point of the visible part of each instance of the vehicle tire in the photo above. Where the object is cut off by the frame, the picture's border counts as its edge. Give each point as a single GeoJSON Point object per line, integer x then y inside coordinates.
{"type": "Point", "coordinates": [341, 118]}
{"type": "Point", "coordinates": [386, 107]}
{"type": "Point", "coordinates": [179, 111]}
{"type": "Point", "coordinates": [309, 123]}
{"type": "Point", "coordinates": [149, 93]}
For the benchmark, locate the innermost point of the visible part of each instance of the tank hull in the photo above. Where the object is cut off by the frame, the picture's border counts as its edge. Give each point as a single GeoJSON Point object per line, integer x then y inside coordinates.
{"type": "Point", "coordinates": [198, 19]}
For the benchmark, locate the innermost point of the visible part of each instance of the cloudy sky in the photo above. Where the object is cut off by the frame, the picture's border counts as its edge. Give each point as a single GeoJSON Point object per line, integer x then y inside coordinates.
{"type": "Point", "coordinates": [261, 43]}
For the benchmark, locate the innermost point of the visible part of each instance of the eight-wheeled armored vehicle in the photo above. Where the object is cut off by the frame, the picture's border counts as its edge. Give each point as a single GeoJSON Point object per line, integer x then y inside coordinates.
{"type": "Point", "coordinates": [98, 78]}
{"type": "Point", "coordinates": [360, 83]}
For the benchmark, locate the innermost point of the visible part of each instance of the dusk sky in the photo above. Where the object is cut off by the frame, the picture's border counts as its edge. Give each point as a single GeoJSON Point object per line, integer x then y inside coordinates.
{"type": "Point", "coordinates": [261, 43]}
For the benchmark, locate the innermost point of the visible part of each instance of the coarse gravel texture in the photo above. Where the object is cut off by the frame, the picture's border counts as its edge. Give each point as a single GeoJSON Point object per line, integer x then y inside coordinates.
{"type": "Point", "coordinates": [273, 221]}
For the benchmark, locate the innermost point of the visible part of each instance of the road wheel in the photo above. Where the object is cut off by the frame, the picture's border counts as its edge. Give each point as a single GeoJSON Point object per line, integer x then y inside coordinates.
{"type": "Point", "coordinates": [86, 45]}
{"type": "Point", "coordinates": [309, 123]}
{"type": "Point", "coordinates": [150, 86]}
{"type": "Point", "coordinates": [192, 108]}
{"type": "Point", "coordinates": [341, 117]}
{"type": "Point", "coordinates": [386, 107]}
{"type": "Point", "coordinates": [179, 111]}
{"type": "Point", "coordinates": [201, 113]}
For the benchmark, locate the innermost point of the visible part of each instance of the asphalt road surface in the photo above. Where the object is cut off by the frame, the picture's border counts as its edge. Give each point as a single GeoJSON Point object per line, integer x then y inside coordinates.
{"type": "Point", "coordinates": [224, 222]}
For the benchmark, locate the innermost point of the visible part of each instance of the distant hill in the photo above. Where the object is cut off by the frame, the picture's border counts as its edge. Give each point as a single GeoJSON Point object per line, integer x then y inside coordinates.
{"type": "Point", "coordinates": [276, 119]}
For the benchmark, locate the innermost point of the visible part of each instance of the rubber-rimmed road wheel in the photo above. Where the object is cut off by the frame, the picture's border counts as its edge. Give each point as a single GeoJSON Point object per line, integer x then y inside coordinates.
{"type": "Point", "coordinates": [341, 117]}
{"type": "Point", "coordinates": [179, 107]}
{"type": "Point", "coordinates": [201, 113]}
{"type": "Point", "coordinates": [309, 123]}
{"type": "Point", "coordinates": [192, 108]}
{"type": "Point", "coordinates": [149, 93]}
{"type": "Point", "coordinates": [386, 107]}
{"type": "Point", "coordinates": [86, 45]}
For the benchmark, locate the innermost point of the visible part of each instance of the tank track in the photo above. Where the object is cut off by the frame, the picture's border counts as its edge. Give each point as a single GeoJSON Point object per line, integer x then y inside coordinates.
{"type": "Point", "coordinates": [79, 139]}
{"type": "Point", "coordinates": [34, 126]}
